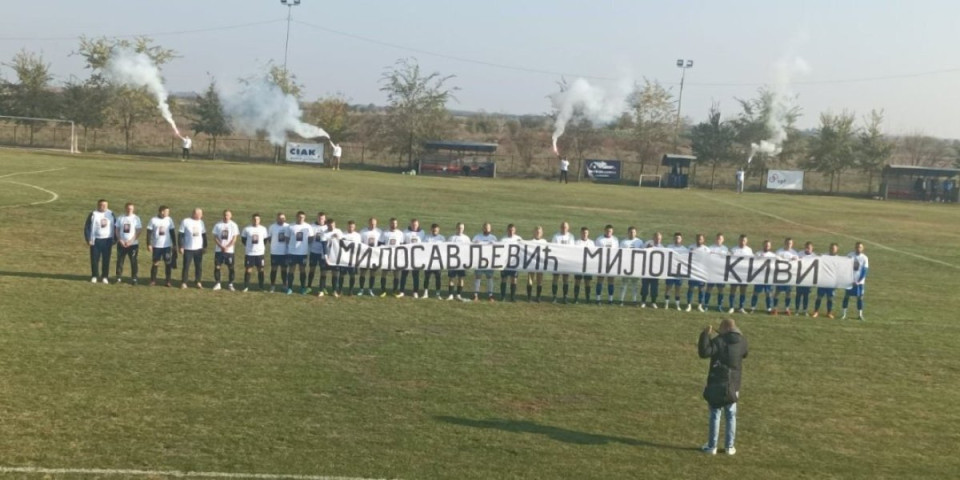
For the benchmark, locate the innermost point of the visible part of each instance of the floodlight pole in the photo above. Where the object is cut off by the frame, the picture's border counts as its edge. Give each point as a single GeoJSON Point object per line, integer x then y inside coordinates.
{"type": "Point", "coordinates": [286, 44]}
{"type": "Point", "coordinates": [683, 65]}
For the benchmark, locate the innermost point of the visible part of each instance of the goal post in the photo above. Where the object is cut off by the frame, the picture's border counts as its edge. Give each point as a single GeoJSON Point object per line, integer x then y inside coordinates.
{"type": "Point", "coordinates": [46, 140]}
{"type": "Point", "coordinates": [653, 178]}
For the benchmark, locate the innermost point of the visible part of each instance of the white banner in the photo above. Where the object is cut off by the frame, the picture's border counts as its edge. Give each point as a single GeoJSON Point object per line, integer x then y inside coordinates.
{"type": "Point", "coordinates": [305, 152]}
{"type": "Point", "coordinates": [785, 180]}
{"type": "Point", "coordinates": [662, 263]}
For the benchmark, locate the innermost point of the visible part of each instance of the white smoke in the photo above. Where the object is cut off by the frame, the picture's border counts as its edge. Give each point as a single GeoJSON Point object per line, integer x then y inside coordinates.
{"type": "Point", "coordinates": [594, 103]}
{"type": "Point", "coordinates": [137, 70]}
{"type": "Point", "coordinates": [261, 106]}
{"type": "Point", "coordinates": [784, 101]}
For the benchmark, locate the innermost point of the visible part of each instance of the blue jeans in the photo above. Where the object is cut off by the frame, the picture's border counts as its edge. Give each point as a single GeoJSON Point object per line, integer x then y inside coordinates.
{"type": "Point", "coordinates": [731, 416]}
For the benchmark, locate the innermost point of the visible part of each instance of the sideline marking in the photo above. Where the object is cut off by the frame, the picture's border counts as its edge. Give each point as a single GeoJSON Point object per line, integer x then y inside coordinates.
{"type": "Point", "coordinates": [871, 242]}
{"type": "Point", "coordinates": [36, 171]}
{"type": "Point", "coordinates": [170, 473]}
{"type": "Point", "coordinates": [54, 196]}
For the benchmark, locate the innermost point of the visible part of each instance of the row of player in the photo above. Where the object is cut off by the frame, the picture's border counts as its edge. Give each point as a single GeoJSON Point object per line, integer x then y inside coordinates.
{"type": "Point", "coordinates": [298, 247]}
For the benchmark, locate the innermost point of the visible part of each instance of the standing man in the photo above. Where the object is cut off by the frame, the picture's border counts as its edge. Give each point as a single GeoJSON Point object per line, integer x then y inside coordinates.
{"type": "Point", "coordinates": [255, 237]}
{"type": "Point", "coordinates": [699, 247]}
{"type": "Point", "coordinates": [99, 234]}
{"type": "Point", "coordinates": [161, 242]}
{"type": "Point", "coordinates": [564, 170]}
{"type": "Point", "coordinates": [455, 277]}
{"type": "Point", "coordinates": [629, 243]}
{"type": "Point", "coordinates": [563, 237]}
{"type": "Point", "coordinates": [434, 237]}
{"type": "Point", "coordinates": [740, 177]}
{"type": "Point", "coordinates": [860, 267]}
{"type": "Point", "coordinates": [318, 250]}
{"type": "Point", "coordinates": [536, 278]}
{"type": "Point", "coordinates": [298, 246]}
{"type": "Point", "coordinates": [726, 352]}
{"type": "Point", "coordinates": [584, 241]}
{"type": "Point", "coordinates": [193, 241]}
{"type": "Point", "coordinates": [651, 286]}
{"type": "Point", "coordinates": [278, 250]}
{"type": "Point", "coordinates": [352, 236]}
{"type": "Point", "coordinates": [336, 155]}
{"type": "Point", "coordinates": [485, 236]}
{"type": "Point", "coordinates": [784, 253]}
{"type": "Point", "coordinates": [609, 242]}
{"type": "Point", "coordinates": [803, 293]}
{"type": "Point", "coordinates": [413, 235]}
{"type": "Point", "coordinates": [767, 290]}
{"type": "Point", "coordinates": [225, 233]}
{"type": "Point", "coordinates": [369, 236]}
{"type": "Point", "coordinates": [675, 284]}
{"type": "Point", "coordinates": [187, 144]}
{"type": "Point", "coordinates": [823, 292]}
{"type": "Point", "coordinates": [741, 250]}
{"type": "Point", "coordinates": [333, 234]}
{"type": "Point", "coordinates": [391, 237]}
{"type": "Point", "coordinates": [718, 248]}
{"type": "Point", "coordinates": [510, 276]}
{"type": "Point", "coordinates": [128, 241]}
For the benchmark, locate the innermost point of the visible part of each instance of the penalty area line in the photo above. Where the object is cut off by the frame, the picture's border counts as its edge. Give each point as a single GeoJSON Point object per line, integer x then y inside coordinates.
{"type": "Point", "coordinates": [54, 196]}
{"type": "Point", "coordinates": [169, 473]}
{"type": "Point", "coordinates": [840, 234]}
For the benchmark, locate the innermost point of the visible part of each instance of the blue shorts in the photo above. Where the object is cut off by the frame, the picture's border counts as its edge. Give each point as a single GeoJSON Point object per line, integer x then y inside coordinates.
{"type": "Point", "coordinates": [318, 259]}
{"type": "Point", "coordinates": [296, 260]}
{"type": "Point", "coordinates": [508, 273]}
{"type": "Point", "coordinates": [347, 270]}
{"type": "Point", "coordinates": [762, 289]}
{"type": "Point", "coordinates": [220, 258]}
{"type": "Point", "coordinates": [162, 254]}
{"type": "Point", "coordinates": [673, 282]}
{"type": "Point", "coordinates": [253, 261]}
{"type": "Point", "coordinates": [458, 273]}
{"type": "Point", "coordinates": [784, 288]}
{"type": "Point", "coordinates": [695, 283]}
{"type": "Point", "coordinates": [855, 291]}
{"type": "Point", "coordinates": [278, 260]}
{"type": "Point", "coordinates": [825, 292]}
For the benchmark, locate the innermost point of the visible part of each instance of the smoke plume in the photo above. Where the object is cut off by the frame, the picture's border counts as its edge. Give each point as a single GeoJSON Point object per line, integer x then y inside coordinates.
{"type": "Point", "coordinates": [784, 101]}
{"type": "Point", "coordinates": [594, 103]}
{"type": "Point", "coordinates": [137, 70]}
{"type": "Point", "coordinates": [260, 106]}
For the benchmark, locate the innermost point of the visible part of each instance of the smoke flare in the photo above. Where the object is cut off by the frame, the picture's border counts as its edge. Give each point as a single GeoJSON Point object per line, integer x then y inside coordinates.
{"type": "Point", "coordinates": [594, 103]}
{"type": "Point", "coordinates": [138, 70]}
{"type": "Point", "coordinates": [261, 106]}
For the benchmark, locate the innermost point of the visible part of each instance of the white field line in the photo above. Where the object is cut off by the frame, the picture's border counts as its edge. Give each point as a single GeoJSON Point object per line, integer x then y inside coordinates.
{"type": "Point", "coordinates": [35, 171]}
{"type": "Point", "coordinates": [168, 473]}
{"type": "Point", "coordinates": [54, 196]}
{"type": "Point", "coordinates": [839, 234]}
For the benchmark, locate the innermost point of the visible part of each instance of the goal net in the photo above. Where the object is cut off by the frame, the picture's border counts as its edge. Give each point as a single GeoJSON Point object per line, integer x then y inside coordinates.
{"type": "Point", "coordinates": [649, 181]}
{"type": "Point", "coordinates": [39, 133]}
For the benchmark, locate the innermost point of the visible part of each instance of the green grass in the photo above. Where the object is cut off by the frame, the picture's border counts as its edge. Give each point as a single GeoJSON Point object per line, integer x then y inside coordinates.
{"type": "Point", "coordinates": [155, 378]}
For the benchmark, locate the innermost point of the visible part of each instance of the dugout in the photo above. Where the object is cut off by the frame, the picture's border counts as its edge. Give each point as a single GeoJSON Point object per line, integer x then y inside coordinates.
{"type": "Point", "coordinates": [449, 158]}
{"type": "Point", "coordinates": [679, 168]}
{"type": "Point", "coordinates": [926, 184]}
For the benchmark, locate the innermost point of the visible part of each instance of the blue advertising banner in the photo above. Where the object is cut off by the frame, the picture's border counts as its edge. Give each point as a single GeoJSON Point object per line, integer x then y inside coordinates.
{"type": "Point", "coordinates": [603, 169]}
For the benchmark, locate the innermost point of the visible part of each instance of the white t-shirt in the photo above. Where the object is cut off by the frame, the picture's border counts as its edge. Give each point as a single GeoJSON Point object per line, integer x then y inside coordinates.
{"type": "Point", "coordinates": [351, 237]}
{"type": "Point", "coordinates": [607, 242]}
{"type": "Point", "coordinates": [582, 243]}
{"type": "Point", "coordinates": [159, 231]}
{"type": "Point", "coordinates": [652, 244]}
{"type": "Point", "coordinates": [279, 237]}
{"type": "Point", "coordinates": [436, 238]}
{"type": "Point", "coordinates": [513, 239]}
{"type": "Point", "coordinates": [563, 239]}
{"type": "Point", "coordinates": [803, 254]}
{"type": "Point", "coordinates": [101, 225]}
{"type": "Point", "coordinates": [719, 249]}
{"type": "Point", "coordinates": [225, 232]}
{"type": "Point", "coordinates": [481, 238]}
{"type": "Point", "coordinates": [564, 165]}
{"type": "Point", "coordinates": [318, 246]}
{"type": "Point", "coordinates": [740, 175]}
{"type": "Point", "coordinates": [392, 237]}
{"type": "Point", "coordinates": [332, 234]}
{"type": "Point", "coordinates": [763, 254]}
{"type": "Point", "coordinates": [741, 251]}
{"type": "Point", "coordinates": [786, 254]}
{"type": "Point", "coordinates": [193, 231]}
{"type": "Point", "coordinates": [337, 150]}
{"type": "Point", "coordinates": [370, 237]}
{"type": "Point", "coordinates": [699, 248]}
{"type": "Point", "coordinates": [128, 225]}
{"type": "Point", "coordinates": [255, 238]}
{"type": "Point", "coordinates": [860, 265]}
{"type": "Point", "coordinates": [409, 236]}
{"type": "Point", "coordinates": [459, 238]}
{"type": "Point", "coordinates": [631, 243]}
{"type": "Point", "coordinates": [299, 234]}
{"type": "Point", "coordinates": [187, 142]}
{"type": "Point", "coordinates": [679, 249]}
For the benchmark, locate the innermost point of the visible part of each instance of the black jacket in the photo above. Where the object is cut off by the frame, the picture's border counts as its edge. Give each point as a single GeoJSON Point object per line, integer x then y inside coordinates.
{"type": "Point", "coordinates": [726, 353]}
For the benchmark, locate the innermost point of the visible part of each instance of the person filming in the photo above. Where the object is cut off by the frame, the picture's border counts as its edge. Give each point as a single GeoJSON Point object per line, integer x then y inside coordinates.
{"type": "Point", "coordinates": [726, 352]}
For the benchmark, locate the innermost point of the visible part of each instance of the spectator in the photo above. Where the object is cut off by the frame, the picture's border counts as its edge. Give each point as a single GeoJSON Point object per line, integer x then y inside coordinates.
{"type": "Point", "coordinates": [726, 352]}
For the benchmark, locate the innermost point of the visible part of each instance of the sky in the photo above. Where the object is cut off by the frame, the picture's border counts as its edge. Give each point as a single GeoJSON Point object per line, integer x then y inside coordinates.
{"type": "Point", "coordinates": [507, 56]}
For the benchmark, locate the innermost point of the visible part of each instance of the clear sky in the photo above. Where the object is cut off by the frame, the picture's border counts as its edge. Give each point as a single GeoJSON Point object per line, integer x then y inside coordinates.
{"type": "Point", "coordinates": [863, 54]}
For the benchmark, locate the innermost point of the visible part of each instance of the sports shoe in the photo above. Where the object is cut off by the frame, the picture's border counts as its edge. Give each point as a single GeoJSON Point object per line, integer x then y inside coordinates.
{"type": "Point", "coordinates": [200, 285]}
{"type": "Point", "coordinates": [843, 317]}
{"type": "Point", "coordinates": [360, 293]}
{"type": "Point", "coordinates": [304, 291]}
{"type": "Point", "coordinates": [417, 295]}
{"type": "Point", "coordinates": [169, 285]}
{"type": "Point", "coordinates": [134, 281]}
{"type": "Point", "coordinates": [153, 283]}
{"type": "Point", "coordinates": [752, 309]}
{"type": "Point", "coordinates": [289, 291]}
{"type": "Point", "coordinates": [815, 314]}
{"type": "Point", "coordinates": [245, 289]}
{"type": "Point", "coordinates": [731, 311]}
{"type": "Point", "coordinates": [399, 295]}
{"type": "Point", "coordinates": [787, 312]}
{"type": "Point", "coordinates": [216, 286]}
{"type": "Point", "coordinates": [105, 280]}
{"type": "Point", "coordinates": [231, 287]}
{"type": "Point", "coordinates": [666, 304]}
{"type": "Point", "coordinates": [183, 286]}
{"type": "Point", "coordinates": [450, 297]}
{"type": "Point", "coordinates": [689, 308]}
{"type": "Point", "coordinates": [701, 309]}
{"type": "Point", "coordinates": [476, 297]}
{"type": "Point", "coordinates": [490, 298]}
{"type": "Point", "coordinates": [643, 305]}
{"type": "Point", "coordinates": [459, 297]}
{"type": "Point", "coordinates": [680, 309]}
{"type": "Point", "coordinates": [707, 450]}
{"type": "Point", "coordinates": [830, 316]}
{"type": "Point", "coordinates": [93, 280]}
{"type": "Point", "coordinates": [320, 294]}
{"type": "Point", "coordinates": [119, 281]}
{"type": "Point", "coordinates": [654, 305]}
{"type": "Point", "coordinates": [370, 292]}
{"type": "Point", "coordinates": [742, 310]}
{"type": "Point", "coordinates": [860, 317]}
{"type": "Point", "coordinates": [426, 294]}
{"type": "Point", "coordinates": [273, 289]}
{"type": "Point", "coordinates": [336, 294]}
{"type": "Point", "coordinates": [731, 451]}
{"type": "Point", "coordinates": [383, 294]}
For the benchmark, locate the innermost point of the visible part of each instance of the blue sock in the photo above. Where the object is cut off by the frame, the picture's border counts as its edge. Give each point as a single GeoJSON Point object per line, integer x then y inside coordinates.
{"type": "Point", "coordinates": [829, 304]}
{"type": "Point", "coordinates": [610, 289]}
{"type": "Point", "coordinates": [753, 301]}
{"type": "Point", "coordinates": [860, 303]}
{"type": "Point", "coordinates": [689, 296]}
{"type": "Point", "coordinates": [743, 299]}
{"type": "Point", "coordinates": [706, 298]}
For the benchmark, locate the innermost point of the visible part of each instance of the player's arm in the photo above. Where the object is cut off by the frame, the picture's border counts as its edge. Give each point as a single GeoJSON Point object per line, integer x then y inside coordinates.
{"type": "Point", "coordinates": [180, 237]}
{"type": "Point", "coordinates": [233, 239]}
{"type": "Point", "coordinates": [116, 233]}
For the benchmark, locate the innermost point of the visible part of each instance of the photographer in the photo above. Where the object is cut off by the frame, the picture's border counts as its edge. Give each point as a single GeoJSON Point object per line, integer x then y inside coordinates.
{"type": "Point", "coordinates": [726, 352]}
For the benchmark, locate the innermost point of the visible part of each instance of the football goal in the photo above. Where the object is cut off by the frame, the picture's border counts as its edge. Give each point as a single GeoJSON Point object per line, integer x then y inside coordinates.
{"type": "Point", "coordinates": [651, 180]}
{"type": "Point", "coordinates": [39, 133]}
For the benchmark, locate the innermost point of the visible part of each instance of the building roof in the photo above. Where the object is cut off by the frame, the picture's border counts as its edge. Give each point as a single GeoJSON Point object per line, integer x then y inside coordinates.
{"type": "Point", "coordinates": [910, 170]}
{"type": "Point", "coordinates": [461, 146]}
{"type": "Point", "coordinates": [682, 161]}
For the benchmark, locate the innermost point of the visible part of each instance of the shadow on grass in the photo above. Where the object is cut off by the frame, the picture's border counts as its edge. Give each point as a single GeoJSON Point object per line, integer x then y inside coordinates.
{"type": "Point", "coordinates": [50, 276]}
{"type": "Point", "coordinates": [555, 433]}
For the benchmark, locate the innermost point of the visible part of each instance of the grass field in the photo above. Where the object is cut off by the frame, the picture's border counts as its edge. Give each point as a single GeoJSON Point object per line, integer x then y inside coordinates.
{"type": "Point", "coordinates": [121, 377]}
